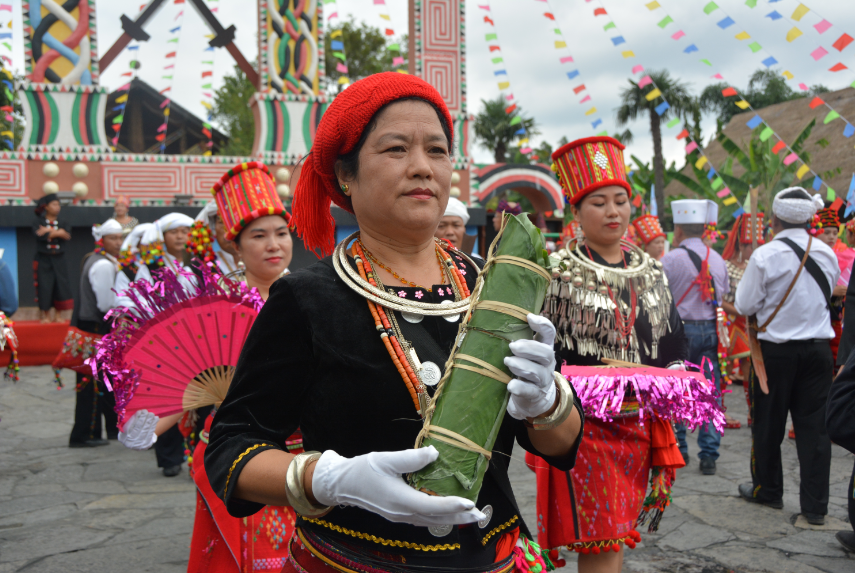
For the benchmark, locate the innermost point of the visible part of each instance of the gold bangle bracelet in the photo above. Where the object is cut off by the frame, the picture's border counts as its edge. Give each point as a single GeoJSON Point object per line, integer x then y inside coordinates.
{"type": "Point", "coordinates": [294, 490]}
{"type": "Point", "coordinates": [566, 401]}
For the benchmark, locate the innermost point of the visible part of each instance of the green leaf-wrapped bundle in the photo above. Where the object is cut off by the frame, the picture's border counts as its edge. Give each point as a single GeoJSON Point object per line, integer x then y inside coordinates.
{"type": "Point", "coordinates": [469, 405]}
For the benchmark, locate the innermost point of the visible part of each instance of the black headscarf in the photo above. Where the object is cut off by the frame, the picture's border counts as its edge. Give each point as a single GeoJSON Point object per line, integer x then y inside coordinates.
{"type": "Point", "coordinates": [42, 203]}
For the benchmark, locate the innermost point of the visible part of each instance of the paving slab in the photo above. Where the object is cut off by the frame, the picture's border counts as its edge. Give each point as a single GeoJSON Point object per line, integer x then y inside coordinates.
{"type": "Point", "coordinates": [110, 509]}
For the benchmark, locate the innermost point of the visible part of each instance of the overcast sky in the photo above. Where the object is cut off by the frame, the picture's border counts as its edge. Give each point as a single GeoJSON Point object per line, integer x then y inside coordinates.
{"type": "Point", "coordinates": [537, 78]}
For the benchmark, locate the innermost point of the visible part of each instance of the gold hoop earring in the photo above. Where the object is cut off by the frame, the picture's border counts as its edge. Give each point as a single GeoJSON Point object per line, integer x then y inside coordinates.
{"type": "Point", "coordinates": [345, 189]}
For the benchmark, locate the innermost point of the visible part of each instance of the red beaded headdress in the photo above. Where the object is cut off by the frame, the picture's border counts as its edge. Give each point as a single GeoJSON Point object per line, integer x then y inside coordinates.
{"type": "Point", "coordinates": [588, 164]}
{"type": "Point", "coordinates": [648, 228]}
{"type": "Point", "coordinates": [829, 217]}
{"type": "Point", "coordinates": [245, 193]}
{"type": "Point", "coordinates": [742, 232]}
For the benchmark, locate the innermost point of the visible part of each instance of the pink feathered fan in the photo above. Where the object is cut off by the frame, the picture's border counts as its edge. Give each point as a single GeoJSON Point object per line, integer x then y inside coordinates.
{"type": "Point", "coordinates": [178, 353]}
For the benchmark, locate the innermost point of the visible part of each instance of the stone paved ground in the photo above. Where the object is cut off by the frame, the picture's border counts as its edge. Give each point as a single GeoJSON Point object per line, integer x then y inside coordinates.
{"type": "Point", "coordinates": [109, 509]}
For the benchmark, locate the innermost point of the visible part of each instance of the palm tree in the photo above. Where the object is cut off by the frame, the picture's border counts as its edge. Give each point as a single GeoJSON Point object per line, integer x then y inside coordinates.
{"type": "Point", "coordinates": [633, 104]}
{"type": "Point", "coordinates": [495, 131]}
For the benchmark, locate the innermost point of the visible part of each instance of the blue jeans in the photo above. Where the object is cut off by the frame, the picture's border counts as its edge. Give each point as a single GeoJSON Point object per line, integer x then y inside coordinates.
{"type": "Point", "coordinates": [703, 341]}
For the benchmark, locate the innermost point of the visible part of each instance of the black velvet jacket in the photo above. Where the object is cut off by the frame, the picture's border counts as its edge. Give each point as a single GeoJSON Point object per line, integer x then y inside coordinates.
{"type": "Point", "coordinates": [315, 360]}
{"type": "Point", "coordinates": [672, 347]}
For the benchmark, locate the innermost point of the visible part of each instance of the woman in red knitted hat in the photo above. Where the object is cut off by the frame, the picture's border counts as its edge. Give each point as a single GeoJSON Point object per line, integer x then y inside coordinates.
{"type": "Point", "coordinates": [348, 349]}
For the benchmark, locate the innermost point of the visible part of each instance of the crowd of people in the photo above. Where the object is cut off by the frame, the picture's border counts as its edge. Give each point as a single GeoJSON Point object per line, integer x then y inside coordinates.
{"type": "Point", "coordinates": [317, 429]}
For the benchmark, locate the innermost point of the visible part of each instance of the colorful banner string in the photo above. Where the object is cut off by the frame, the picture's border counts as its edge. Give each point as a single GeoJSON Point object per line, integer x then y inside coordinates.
{"type": "Point", "coordinates": [169, 74]}
{"type": "Point", "coordinates": [7, 126]}
{"type": "Point", "coordinates": [655, 94]}
{"type": "Point", "coordinates": [770, 60]}
{"type": "Point", "coordinates": [757, 120]}
{"type": "Point", "coordinates": [389, 31]}
{"type": "Point", "coordinates": [564, 57]}
{"type": "Point", "coordinates": [122, 100]}
{"type": "Point", "coordinates": [207, 68]}
{"type": "Point", "coordinates": [504, 82]}
{"type": "Point", "coordinates": [337, 46]}
{"type": "Point", "coordinates": [822, 26]}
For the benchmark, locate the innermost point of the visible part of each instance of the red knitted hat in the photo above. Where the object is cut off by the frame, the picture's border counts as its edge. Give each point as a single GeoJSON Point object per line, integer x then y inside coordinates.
{"type": "Point", "coordinates": [338, 133]}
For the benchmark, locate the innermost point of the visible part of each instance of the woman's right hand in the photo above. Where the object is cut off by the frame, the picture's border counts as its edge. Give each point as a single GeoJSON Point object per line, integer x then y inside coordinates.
{"type": "Point", "coordinates": [139, 431]}
{"type": "Point", "coordinates": [373, 482]}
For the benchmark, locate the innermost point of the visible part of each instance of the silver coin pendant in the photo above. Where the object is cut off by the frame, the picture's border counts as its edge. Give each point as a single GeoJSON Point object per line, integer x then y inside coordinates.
{"type": "Point", "coordinates": [412, 317]}
{"type": "Point", "coordinates": [488, 515]}
{"type": "Point", "coordinates": [430, 374]}
{"type": "Point", "coordinates": [453, 317]}
{"type": "Point", "coordinates": [440, 530]}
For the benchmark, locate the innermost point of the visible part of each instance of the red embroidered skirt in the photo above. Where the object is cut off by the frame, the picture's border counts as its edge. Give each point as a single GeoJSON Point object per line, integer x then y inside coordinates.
{"type": "Point", "coordinates": [597, 503]}
{"type": "Point", "coordinates": [225, 544]}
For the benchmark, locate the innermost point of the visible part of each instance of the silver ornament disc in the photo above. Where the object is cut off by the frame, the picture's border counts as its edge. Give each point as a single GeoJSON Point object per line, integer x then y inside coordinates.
{"type": "Point", "coordinates": [488, 515]}
{"type": "Point", "coordinates": [430, 374]}
{"type": "Point", "coordinates": [440, 530]}
{"type": "Point", "coordinates": [412, 317]}
{"type": "Point", "coordinates": [453, 317]}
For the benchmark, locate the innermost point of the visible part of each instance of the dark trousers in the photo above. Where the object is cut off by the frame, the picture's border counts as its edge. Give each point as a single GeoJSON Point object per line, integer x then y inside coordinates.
{"type": "Point", "coordinates": [169, 448]}
{"type": "Point", "coordinates": [53, 285]}
{"type": "Point", "coordinates": [850, 495]}
{"type": "Point", "coordinates": [93, 402]}
{"type": "Point", "coordinates": [800, 374]}
{"type": "Point", "coordinates": [703, 343]}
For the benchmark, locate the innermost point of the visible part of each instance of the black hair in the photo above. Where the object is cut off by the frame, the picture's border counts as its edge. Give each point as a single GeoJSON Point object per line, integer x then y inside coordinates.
{"type": "Point", "coordinates": [348, 163]}
{"type": "Point", "coordinates": [693, 229]}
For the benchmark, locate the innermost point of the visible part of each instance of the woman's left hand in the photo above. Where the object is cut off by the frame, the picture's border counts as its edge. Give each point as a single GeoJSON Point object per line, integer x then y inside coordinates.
{"type": "Point", "coordinates": [533, 363]}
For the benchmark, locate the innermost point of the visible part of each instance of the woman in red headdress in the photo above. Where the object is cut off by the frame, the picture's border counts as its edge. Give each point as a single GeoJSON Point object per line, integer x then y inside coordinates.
{"type": "Point", "coordinates": [257, 226]}
{"type": "Point", "coordinates": [651, 235]}
{"type": "Point", "coordinates": [594, 509]}
{"type": "Point", "coordinates": [337, 346]}
{"type": "Point", "coordinates": [738, 249]}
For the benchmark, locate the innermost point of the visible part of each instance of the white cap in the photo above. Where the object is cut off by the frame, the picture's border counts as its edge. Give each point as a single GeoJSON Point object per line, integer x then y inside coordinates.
{"type": "Point", "coordinates": [168, 222]}
{"type": "Point", "coordinates": [208, 211]}
{"type": "Point", "coordinates": [796, 210]}
{"type": "Point", "coordinates": [109, 227]}
{"type": "Point", "coordinates": [694, 211]}
{"type": "Point", "coordinates": [456, 208]}
{"type": "Point", "coordinates": [133, 239]}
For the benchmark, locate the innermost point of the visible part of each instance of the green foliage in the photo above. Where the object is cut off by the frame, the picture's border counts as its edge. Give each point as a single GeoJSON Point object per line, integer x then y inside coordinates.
{"type": "Point", "coordinates": [232, 113]}
{"type": "Point", "coordinates": [634, 104]}
{"type": "Point", "coordinates": [765, 88]}
{"type": "Point", "coordinates": [642, 177]}
{"type": "Point", "coordinates": [366, 51]}
{"type": "Point", "coordinates": [540, 154]}
{"type": "Point", "coordinates": [763, 169]}
{"type": "Point", "coordinates": [493, 129]}
{"type": "Point", "coordinates": [9, 97]}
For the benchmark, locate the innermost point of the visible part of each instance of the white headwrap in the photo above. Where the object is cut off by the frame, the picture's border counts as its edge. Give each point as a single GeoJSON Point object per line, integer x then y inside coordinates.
{"type": "Point", "coordinates": [456, 208]}
{"type": "Point", "coordinates": [133, 239]}
{"type": "Point", "coordinates": [168, 222]}
{"type": "Point", "coordinates": [796, 210]}
{"type": "Point", "coordinates": [110, 227]}
{"type": "Point", "coordinates": [208, 211]}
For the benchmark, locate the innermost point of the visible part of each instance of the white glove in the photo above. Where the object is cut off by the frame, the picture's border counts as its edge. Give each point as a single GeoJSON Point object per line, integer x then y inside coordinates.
{"type": "Point", "coordinates": [679, 366]}
{"type": "Point", "coordinates": [373, 482]}
{"type": "Point", "coordinates": [533, 363]}
{"type": "Point", "coordinates": [139, 431]}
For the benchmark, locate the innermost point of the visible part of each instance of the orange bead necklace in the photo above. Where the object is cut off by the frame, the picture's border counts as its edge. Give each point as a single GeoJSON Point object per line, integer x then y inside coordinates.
{"type": "Point", "coordinates": [384, 323]}
{"type": "Point", "coordinates": [389, 270]}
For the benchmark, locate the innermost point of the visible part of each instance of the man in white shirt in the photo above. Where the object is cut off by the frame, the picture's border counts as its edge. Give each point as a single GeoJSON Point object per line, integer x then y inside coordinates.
{"type": "Point", "coordinates": [96, 298]}
{"type": "Point", "coordinates": [796, 351]}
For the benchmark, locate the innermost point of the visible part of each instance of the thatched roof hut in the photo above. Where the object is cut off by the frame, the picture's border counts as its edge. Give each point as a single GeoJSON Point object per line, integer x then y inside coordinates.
{"type": "Point", "coordinates": [788, 119]}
